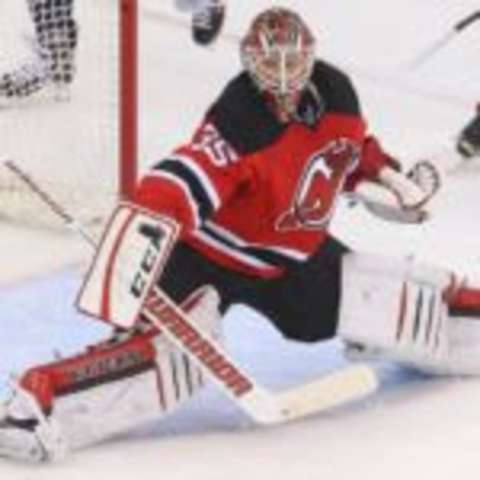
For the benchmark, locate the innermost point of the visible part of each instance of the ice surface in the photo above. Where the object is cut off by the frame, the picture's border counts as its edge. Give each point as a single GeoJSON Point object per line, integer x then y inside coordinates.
{"type": "Point", "coordinates": [415, 427]}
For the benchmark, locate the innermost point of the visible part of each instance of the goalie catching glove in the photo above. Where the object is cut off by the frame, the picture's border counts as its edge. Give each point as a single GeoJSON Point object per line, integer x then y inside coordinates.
{"type": "Point", "coordinates": [397, 196]}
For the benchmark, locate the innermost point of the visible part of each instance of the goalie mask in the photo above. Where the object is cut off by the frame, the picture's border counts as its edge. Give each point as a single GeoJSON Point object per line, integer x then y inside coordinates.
{"type": "Point", "coordinates": [278, 52]}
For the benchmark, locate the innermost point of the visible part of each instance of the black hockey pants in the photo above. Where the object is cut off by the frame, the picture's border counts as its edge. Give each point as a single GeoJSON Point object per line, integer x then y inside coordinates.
{"type": "Point", "coordinates": [303, 304]}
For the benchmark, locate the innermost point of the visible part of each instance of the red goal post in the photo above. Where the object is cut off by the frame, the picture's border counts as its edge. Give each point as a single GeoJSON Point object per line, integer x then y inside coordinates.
{"type": "Point", "coordinates": [128, 43]}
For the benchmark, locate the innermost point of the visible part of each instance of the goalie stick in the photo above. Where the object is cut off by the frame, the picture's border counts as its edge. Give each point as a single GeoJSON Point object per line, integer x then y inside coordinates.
{"type": "Point", "coordinates": [263, 406]}
{"type": "Point", "coordinates": [431, 50]}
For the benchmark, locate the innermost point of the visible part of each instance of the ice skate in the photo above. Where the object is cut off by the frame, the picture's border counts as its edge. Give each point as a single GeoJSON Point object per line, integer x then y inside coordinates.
{"type": "Point", "coordinates": [207, 22]}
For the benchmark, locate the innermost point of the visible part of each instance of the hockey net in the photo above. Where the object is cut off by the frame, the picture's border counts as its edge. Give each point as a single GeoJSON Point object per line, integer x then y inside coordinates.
{"type": "Point", "coordinates": [76, 139]}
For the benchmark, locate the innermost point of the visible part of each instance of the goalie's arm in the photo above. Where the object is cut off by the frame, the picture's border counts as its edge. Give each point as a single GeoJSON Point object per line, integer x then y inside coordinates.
{"type": "Point", "coordinates": [190, 186]}
{"type": "Point", "coordinates": [373, 158]}
{"type": "Point", "coordinates": [160, 192]}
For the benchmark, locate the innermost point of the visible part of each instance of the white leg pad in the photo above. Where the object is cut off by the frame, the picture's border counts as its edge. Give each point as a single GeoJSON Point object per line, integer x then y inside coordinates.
{"type": "Point", "coordinates": [99, 413]}
{"type": "Point", "coordinates": [396, 309]}
{"type": "Point", "coordinates": [108, 406]}
{"type": "Point", "coordinates": [464, 347]}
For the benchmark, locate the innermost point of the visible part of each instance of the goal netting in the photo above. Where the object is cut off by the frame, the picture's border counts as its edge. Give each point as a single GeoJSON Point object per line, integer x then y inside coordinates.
{"type": "Point", "coordinates": [76, 138]}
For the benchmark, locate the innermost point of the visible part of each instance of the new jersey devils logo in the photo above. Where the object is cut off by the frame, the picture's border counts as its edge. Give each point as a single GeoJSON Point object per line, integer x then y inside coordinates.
{"type": "Point", "coordinates": [321, 182]}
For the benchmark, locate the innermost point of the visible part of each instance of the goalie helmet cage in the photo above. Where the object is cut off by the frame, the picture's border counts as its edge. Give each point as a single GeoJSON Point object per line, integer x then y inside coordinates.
{"type": "Point", "coordinates": [79, 142]}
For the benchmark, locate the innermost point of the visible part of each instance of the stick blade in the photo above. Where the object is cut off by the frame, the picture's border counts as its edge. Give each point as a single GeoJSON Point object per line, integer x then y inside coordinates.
{"type": "Point", "coordinates": [330, 391]}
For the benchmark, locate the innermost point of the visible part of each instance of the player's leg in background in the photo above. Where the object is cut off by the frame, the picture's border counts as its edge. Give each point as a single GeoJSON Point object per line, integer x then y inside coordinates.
{"type": "Point", "coordinates": [207, 18]}
{"type": "Point", "coordinates": [465, 148]}
{"type": "Point", "coordinates": [468, 142]}
{"type": "Point", "coordinates": [53, 50]}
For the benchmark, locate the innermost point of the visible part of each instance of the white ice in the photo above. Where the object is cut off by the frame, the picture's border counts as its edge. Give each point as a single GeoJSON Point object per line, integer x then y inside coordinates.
{"type": "Point", "coordinates": [414, 426]}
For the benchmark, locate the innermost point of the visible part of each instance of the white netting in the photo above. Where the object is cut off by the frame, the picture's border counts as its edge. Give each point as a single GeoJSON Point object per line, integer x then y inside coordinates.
{"type": "Point", "coordinates": [65, 135]}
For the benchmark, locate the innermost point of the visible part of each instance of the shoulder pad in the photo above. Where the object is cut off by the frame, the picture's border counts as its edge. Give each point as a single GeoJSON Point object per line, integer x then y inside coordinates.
{"type": "Point", "coordinates": [243, 118]}
{"type": "Point", "coordinates": [336, 89]}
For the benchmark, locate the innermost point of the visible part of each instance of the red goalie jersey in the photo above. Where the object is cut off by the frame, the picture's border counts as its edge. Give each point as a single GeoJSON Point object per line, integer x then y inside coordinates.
{"type": "Point", "coordinates": [256, 195]}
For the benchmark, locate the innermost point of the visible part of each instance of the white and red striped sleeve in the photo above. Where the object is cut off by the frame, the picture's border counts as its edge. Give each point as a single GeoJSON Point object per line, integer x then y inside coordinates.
{"type": "Point", "coordinates": [195, 181]}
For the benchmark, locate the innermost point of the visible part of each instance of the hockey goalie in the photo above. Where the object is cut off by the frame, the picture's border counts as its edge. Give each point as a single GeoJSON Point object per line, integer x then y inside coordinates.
{"type": "Point", "coordinates": [240, 214]}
